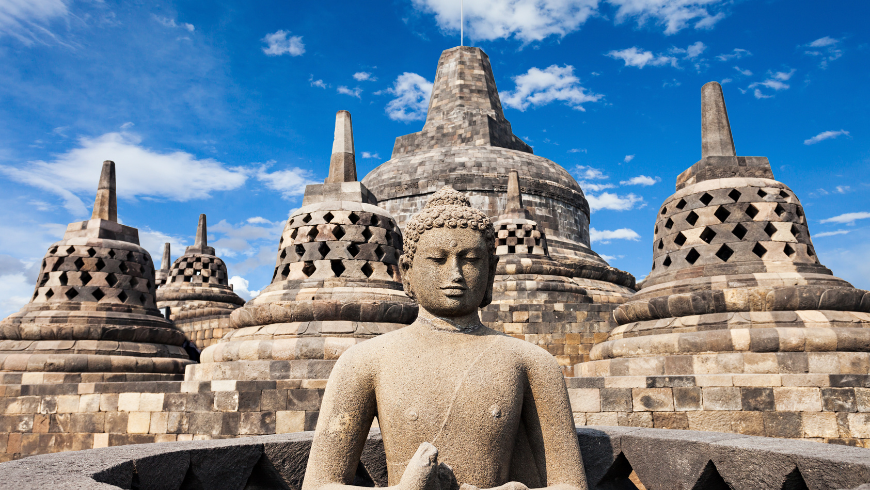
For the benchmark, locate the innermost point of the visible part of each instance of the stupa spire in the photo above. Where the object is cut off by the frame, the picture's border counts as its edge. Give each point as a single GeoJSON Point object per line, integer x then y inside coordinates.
{"type": "Point", "coordinates": [342, 164]}
{"type": "Point", "coordinates": [201, 239]}
{"type": "Point", "coordinates": [716, 139]}
{"type": "Point", "coordinates": [514, 197]}
{"type": "Point", "coordinates": [106, 203]}
{"type": "Point", "coordinates": [164, 264]}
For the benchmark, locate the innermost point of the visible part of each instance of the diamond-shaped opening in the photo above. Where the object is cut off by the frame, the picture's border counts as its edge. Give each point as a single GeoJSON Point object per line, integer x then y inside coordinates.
{"type": "Point", "coordinates": [71, 293]}
{"type": "Point", "coordinates": [367, 269]}
{"type": "Point", "coordinates": [122, 297]}
{"type": "Point", "coordinates": [123, 267]}
{"type": "Point", "coordinates": [353, 249]}
{"type": "Point", "coordinates": [111, 254]}
{"type": "Point", "coordinates": [293, 233]}
{"type": "Point", "coordinates": [43, 279]}
{"type": "Point", "coordinates": [710, 479]}
{"type": "Point", "coordinates": [85, 278]}
{"type": "Point", "coordinates": [692, 218]}
{"type": "Point", "coordinates": [788, 250]}
{"type": "Point", "coordinates": [759, 250]}
{"type": "Point", "coordinates": [338, 232]}
{"type": "Point", "coordinates": [795, 231]}
{"type": "Point", "coordinates": [692, 256]}
{"type": "Point", "coordinates": [308, 269]}
{"type": "Point", "coordinates": [661, 244]}
{"type": "Point", "coordinates": [142, 298]}
{"type": "Point", "coordinates": [706, 199]}
{"type": "Point", "coordinates": [63, 278]}
{"type": "Point", "coordinates": [70, 250]}
{"type": "Point", "coordinates": [770, 229]}
{"type": "Point", "coordinates": [98, 294]}
{"type": "Point", "coordinates": [323, 249]}
{"type": "Point", "coordinates": [656, 229]}
{"type": "Point", "coordinates": [281, 241]}
{"type": "Point", "coordinates": [669, 224]}
{"type": "Point", "coordinates": [52, 250]}
{"type": "Point", "coordinates": [375, 220]}
{"type": "Point", "coordinates": [148, 285]}
{"type": "Point", "coordinates": [49, 294]}
{"type": "Point", "coordinates": [135, 282]}
{"type": "Point", "coordinates": [91, 252]}
{"type": "Point", "coordinates": [783, 194]}
{"type": "Point", "coordinates": [283, 254]}
{"type": "Point", "coordinates": [300, 250]}
{"type": "Point", "coordinates": [800, 212]}
{"type": "Point", "coordinates": [708, 234]}
{"type": "Point", "coordinates": [722, 214]}
{"type": "Point", "coordinates": [664, 210]}
{"type": "Point", "coordinates": [761, 193]}
{"type": "Point", "coordinates": [312, 233]}
{"type": "Point", "coordinates": [680, 239]}
{"type": "Point", "coordinates": [667, 261]}
{"type": "Point", "coordinates": [306, 218]}
{"type": "Point", "coordinates": [724, 253]}
{"type": "Point", "coordinates": [328, 217]}
{"type": "Point", "coordinates": [779, 210]}
{"type": "Point", "coordinates": [620, 476]}
{"type": "Point", "coordinates": [285, 271]}
{"type": "Point", "coordinates": [79, 262]}
{"type": "Point", "coordinates": [739, 231]}
{"type": "Point", "coordinates": [681, 204]}
{"type": "Point", "coordinates": [794, 481]}
{"type": "Point", "coordinates": [99, 264]}
{"type": "Point", "coordinates": [111, 280]}
{"type": "Point", "coordinates": [734, 195]}
{"type": "Point", "coordinates": [353, 218]}
{"type": "Point", "coordinates": [367, 234]}
{"type": "Point", "coordinates": [379, 252]}
{"type": "Point", "coordinates": [57, 264]}
{"type": "Point", "coordinates": [337, 267]}
{"type": "Point", "coordinates": [810, 251]}
{"type": "Point", "coordinates": [752, 211]}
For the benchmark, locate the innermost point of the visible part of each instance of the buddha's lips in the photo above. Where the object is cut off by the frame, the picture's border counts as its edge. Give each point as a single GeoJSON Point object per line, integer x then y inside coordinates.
{"type": "Point", "coordinates": [454, 289]}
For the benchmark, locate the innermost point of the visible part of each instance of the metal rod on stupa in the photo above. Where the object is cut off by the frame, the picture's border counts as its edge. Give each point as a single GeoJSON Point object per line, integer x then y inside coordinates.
{"type": "Point", "coordinates": [342, 164]}
{"type": "Point", "coordinates": [514, 197]}
{"type": "Point", "coordinates": [106, 203]}
{"type": "Point", "coordinates": [201, 239]}
{"type": "Point", "coordinates": [164, 264]}
{"type": "Point", "coordinates": [716, 139]}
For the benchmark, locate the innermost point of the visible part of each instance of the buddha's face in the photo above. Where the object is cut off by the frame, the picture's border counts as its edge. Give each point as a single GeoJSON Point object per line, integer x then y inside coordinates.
{"type": "Point", "coordinates": [450, 273]}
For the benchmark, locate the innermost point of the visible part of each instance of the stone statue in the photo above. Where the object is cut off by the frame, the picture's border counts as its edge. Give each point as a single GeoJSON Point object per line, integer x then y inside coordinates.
{"type": "Point", "coordinates": [458, 404]}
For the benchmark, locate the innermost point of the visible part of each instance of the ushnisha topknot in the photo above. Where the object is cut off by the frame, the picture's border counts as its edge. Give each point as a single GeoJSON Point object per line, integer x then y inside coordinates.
{"type": "Point", "coordinates": [452, 209]}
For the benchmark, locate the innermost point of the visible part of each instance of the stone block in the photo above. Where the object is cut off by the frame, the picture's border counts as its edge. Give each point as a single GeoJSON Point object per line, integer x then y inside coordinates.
{"type": "Point", "coordinates": [138, 422]}
{"type": "Point", "coordinates": [109, 402]}
{"type": "Point", "coordinates": [819, 424]}
{"type": "Point", "coordinates": [273, 400]}
{"type": "Point", "coordinates": [253, 423]}
{"type": "Point", "coordinates": [635, 419]}
{"type": "Point", "coordinates": [859, 425]}
{"type": "Point", "coordinates": [289, 421]}
{"type": "Point", "coordinates": [68, 403]}
{"type": "Point", "coordinates": [757, 399]}
{"type": "Point", "coordinates": [748, 423]}
{"type": "Point", "coordinates": [839, 400]}
{"type": "Point", "coordinates": [226, 401]}
{"type": "Point", "coordinates": [709, 421]}
{"type": "Point", "coordinates": [652, 400]}
{"type": "Point", "coordinates": [782, 424]}
{"type": "Point", "coordinates": [303, 399]}
{"type": "Point", "coordinates": [602, 418]}
{"type": "Point", "coordinates": [584, 399]}
{"type": "Point", "coordinates": [670, 420]}
{"type": "Point", "coordinates": [129, 402]}
{"type": "Point", "coordinates": [797, 399]}
{"type": "Point", "coordinates": [721, 398]}
{"type": "Point", "coordinates": [89, 403]}
{"type": "Point", "coordinates": [159, 422]}
{"type": "Point", "coordinates": [116, 422]}
{"type": "Point", "coordinates": [151, 402]}
{"type": "Point", "coordinates": [687, 399]}
{"type": "Point", "coordinates": [619, 399]}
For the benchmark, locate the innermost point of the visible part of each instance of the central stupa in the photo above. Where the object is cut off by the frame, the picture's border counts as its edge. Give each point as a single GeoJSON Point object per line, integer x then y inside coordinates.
{"type": "Point", "coordinates": [468, 144]}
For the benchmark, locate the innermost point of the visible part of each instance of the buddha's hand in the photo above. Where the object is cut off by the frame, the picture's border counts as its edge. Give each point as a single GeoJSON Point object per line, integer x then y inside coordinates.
{"type": "Point", "coordinates": [423, 471]}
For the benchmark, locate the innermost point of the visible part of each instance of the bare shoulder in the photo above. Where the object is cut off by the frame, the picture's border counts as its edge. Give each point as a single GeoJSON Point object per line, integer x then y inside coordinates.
{"type": "Point", "coordinates": [363, 353]}
{"type": "Point", "coordinates": [531, 355]}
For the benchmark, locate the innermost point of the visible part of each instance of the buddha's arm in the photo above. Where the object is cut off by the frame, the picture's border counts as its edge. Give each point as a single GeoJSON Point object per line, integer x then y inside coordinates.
{"type": "Point", "coordinates": [346, 416]}
{"type": "Point", "coordinates": [550, 426]}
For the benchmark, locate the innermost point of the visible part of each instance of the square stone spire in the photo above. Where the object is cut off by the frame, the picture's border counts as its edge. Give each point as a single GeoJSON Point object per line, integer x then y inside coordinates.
{"type": "Point", "coordinates": [106, 203]}
{"type": "Point", "coordinates": [200, 242]}
{"type": "Point", "coordinates": [464, 109]}
{"type": "Point", "coordinates": [342, 163]}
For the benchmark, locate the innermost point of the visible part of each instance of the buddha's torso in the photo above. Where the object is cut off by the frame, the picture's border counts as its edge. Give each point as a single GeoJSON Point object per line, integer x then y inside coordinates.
{"type": "Point", "coordinates": [461, 392]}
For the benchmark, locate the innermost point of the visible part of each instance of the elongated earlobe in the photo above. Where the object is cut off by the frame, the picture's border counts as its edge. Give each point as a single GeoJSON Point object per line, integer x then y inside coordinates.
{"type": "Point", "coordinates": [493, 265]}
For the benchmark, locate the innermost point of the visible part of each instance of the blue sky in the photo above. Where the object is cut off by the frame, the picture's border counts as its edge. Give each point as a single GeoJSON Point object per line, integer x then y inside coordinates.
{"type": "Point", "coordinates": [227, 108]}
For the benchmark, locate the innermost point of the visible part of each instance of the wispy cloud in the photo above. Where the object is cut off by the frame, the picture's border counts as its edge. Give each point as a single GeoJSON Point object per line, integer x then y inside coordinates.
{"type": "Point", "coordinates": [27, 20]}
{"type": "Point", "coordinates": [775, 81]}
{"type": "Point", "coordinates": [745, 73]}
{"type": "Point", "coordinates": [641, 180]}
{"type": "Point", "coordinates": [366, 154]}
{"type": "Point", "coordinates": [290, 182]}
{"type": "Point", "coordinates": [628, 158]}
{"type": "Point", "coordinates": [831, 233]}
{"type": "Point", "coordinates": [673, 15]}
{"type": "Point", "coordinates": [614, 202]}
{"type": "Point", "coordinates": [167, 22]}
{"type": "Point", "coordinates": [280, 42]}
{"type": "Point", "coordinates": [316, 83]}
{"type": "Point", "coordinates": [364, 76]}
{"type": "Point", "coordinates": [540, 87]}
{"type": "Point", "coordinates": [825, 135]}
{"type": "Point", "coordinates": [848, 218]}
{"type": "Point", "coordinates": [826, 49]}
{"type": "Point", "coordinates": [577, 150]}
{"type": "Point", "coordinates": [736, 54]}
{"type": "Point", "coordinates": [353, 92]}
{"type": "Point", "coordinates": [640, 58]}
{"type": "Point", "coordinates": [411, 101]}
{"type": "Point", "coordinates": [604, 236]}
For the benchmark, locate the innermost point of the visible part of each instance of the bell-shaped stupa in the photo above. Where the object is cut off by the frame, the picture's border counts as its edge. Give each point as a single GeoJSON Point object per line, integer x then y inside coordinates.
{"type": "Point", "coordinates": [93, 314]}
{"type": "Point", "coordinates": [336, 283]}
{"type": "Point", "coordinates": [197, 291]}
{"type": "Point", "coordinates": [736, 286]}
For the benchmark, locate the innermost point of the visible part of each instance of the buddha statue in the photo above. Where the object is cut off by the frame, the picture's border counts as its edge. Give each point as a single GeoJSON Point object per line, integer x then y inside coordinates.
{"type": "Point", "coordinates": [458, 404]}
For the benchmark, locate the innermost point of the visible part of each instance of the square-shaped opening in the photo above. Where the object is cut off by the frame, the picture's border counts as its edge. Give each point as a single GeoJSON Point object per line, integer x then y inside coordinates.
{"type": "Point", "coordinates": [706, 199]}
{"type": "Point", "coordinates": [667, 262]}
{"type": "Point", "coordinates": [681, 204]}
{"type": "Point", "coordinates": [680, 239]}
{"type": "Point", "coordinates": [669, 224]}
{"type": "Point", "coordinates": [788, 250]}
{"type": "Point", "coordinates": [759, 250]}
{"type": "Point", "coordinates": [770, 229]}
{"type": "Point", "coordinates": [692, 218]}
{"type": "Point", "coordinates": [724, 253]}
{"type": "Point", "coordinates": [734, 195]}
{"type": "Point", "coordinates": [722, 214]}
{"type": "Point", "coordinates": [692, 256]}
{"type": "Point", "coordinates": [739, 231]}
{"type": "Point", "coordinates": [751, 211]}
{"type": "Point", "coordinates": [708, 234]}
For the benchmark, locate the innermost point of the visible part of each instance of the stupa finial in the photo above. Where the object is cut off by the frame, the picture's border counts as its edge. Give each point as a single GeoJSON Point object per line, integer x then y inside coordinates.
{"type": "Point", "coordinates": [716, 137]}
{"type": "Point", "coordinates": [342, 164]}
{"type": "Point", "coordinates": [201, 239]}
{"type": "Point", "coordinates": [514, 197]}
{"type": "Point", "coordinates": [106, 203]}
{"type": "Point", "coordinates": [164, 264]}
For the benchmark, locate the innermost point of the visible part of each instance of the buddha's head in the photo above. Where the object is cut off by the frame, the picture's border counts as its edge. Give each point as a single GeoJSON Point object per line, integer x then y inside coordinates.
{"type": "Point", "coordinates": [449, 261]}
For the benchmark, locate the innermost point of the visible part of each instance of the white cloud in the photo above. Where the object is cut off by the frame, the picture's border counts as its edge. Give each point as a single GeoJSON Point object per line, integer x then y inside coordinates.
{"type": "Point", "coordinates": [577, 150]}
{"type": "Point", "coordinates": [607, 200]}
{"type": "Point", "coordinates": [675, 15]}
{"type": "Point", "coordinates": [745, 73]}
{"type": "Point", "coordinates": [316, 83]}
{"type": "Point", "coordinates": [775, 81]}
{"type": "Point", "coordinates": [608, 258]}
{"type": "Point", "coordinates": [362, 76]}
{"type": "Point", "coordinates": [695, 50]}
{"type": "Point", "coordinates": [153, 241]}
{"type": "Point", "coordinates": [759, 95]}
{"type": "Point", "coordinates": [353, 92]}
{"type": "Point", "coordinates": [725, 80]}
{"type": "Point", "coordinates": [825, 135]}
{"type": "Point", "coordinates": [167, 22]}
{"type": "Point", "coordinates": [525, 20]}
{"type": "Point", "coordinates": [736, 54]}
{"type": "Point", "coordinates": [641, 180]}
{"type": "Point", "coordinates": [628, 158]}
{"type": "Point", "coordinates": [26, 19]}
{"type": "Point", "coordinates": [831, 233]}
{"type": "Point", "coordinates": [588, 173]}
{"type": "Point", "coordinates": [290, 182]}
{"type": "Point", "coordinates": [848, 218]}
{"type": "Point", "coordinates": [843, 189]}
{"type": "Point", "coordinates": [258, 220]}
{"type": "Point", "coordinates": [827, 48]}
{"type": "Point", "coordinates": [141, 172]}
{"type": "Point", "coordinates": [411, 100]}
{"type": "Point", "coordinates": [822, 42]}
{"type": "Point", "coordinates": [604, 236]}
{"type": "Point", "coordinates": [540, 87]}
{"type": "Point", "coordinates": [639, 58]}
{"type": "Point", "coordinates": [240, 287]}
{"type": "Point", "coordinates": [279, 43]}
{"type": "Point", "coordinates": [594, 187]}
{"type": "Point", "coordinates": [366, 154]}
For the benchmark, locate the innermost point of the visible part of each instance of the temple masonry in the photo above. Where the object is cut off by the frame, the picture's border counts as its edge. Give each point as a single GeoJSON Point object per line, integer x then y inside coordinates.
{"type": "Point", "coordinates": [195, 292]}
{"type": "Point", "coordinates": [737, 328]}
